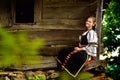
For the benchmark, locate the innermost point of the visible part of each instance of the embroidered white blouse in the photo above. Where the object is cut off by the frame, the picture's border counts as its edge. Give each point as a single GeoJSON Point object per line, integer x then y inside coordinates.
{"type": "Point", "coordinates": [92, 38]}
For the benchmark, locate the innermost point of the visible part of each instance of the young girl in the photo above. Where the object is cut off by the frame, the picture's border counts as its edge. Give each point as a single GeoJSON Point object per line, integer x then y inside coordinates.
{"type": "Point", "coordinates": [74, 59]}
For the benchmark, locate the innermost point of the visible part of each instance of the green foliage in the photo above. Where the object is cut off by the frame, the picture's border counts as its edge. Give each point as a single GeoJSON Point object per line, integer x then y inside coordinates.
{"type": "Point", "coordinates": [37, 78]}
{"type": "Point", "coordinates": [81, 76]}
{"type": "Point", "coordinates": [85, 76]}
{"type": "Point", "coordinates": [113, 71]}
{"type": "Point", "coordinates": [65, 76]}
{"type": "Point", "coordinates": [111, 40]}
{"type": "Point", "coordinates": [18, 49]}
{"type": "Point", "coordinates": [111, 26]}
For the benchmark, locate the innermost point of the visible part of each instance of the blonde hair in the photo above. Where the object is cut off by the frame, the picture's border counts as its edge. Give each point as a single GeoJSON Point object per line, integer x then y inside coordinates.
{"type": "Point", "coordinates": [93, 18]}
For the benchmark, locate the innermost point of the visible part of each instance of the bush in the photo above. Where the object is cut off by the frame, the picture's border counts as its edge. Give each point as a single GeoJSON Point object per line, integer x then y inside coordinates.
{"type": "Point", "coordinates": [18, 49]}
{"type": "Point", "coordinates": [111, 38]}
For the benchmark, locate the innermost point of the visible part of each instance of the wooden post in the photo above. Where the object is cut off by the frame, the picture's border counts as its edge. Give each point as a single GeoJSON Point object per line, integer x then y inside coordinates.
{"type": "Point", "coordinates": [99, 25]}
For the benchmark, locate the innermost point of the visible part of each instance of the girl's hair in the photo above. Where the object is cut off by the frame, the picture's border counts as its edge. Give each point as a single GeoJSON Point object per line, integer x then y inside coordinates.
{"type": "Point", "coordinates": [94, 21]}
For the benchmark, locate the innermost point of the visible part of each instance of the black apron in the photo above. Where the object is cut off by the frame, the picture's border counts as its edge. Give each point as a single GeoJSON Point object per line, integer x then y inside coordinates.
{"type": "Point", "coordinates": [76, 61]}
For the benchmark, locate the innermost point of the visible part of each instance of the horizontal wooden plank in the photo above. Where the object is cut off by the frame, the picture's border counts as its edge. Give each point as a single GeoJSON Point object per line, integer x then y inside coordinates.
{"type": "Point", "coordinates": [77, 3]}
{"type": "Point", "coordinates": [67, 2]}
{"type": "Point", "coordinates": [62, 42]}
{"type": "Point", "coordinates": [52, 51]}
{"type": "Point", "coordinates": [44, 63]}
{"type": "Point", "coordinates": [56, 36]}
{"type": "Point", "coordinates": [71, 22]}
{"type": "Point", "coordinates": [65, 12]}
{"type": "Point", "coordinates": [51, 62]}
{"type": "Point", "coordinates": [44, 27]}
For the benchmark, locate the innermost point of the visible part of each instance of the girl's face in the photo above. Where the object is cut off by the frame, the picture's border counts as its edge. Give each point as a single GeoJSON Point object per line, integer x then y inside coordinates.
{"type": "Point", "coordinates": [89, 23]}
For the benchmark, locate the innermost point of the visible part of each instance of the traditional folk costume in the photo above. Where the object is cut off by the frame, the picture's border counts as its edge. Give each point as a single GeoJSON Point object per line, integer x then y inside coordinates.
{"type": "Point", "coordinates": [72, 61]}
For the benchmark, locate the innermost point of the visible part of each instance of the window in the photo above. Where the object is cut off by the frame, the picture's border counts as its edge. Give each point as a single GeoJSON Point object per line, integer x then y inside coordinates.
{"type": "Point", "coordinates": [24, 11]}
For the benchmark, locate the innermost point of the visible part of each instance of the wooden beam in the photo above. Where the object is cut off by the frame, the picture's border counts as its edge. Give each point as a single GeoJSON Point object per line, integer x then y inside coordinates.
{"type": "Point", "coordinates": [99, 25]}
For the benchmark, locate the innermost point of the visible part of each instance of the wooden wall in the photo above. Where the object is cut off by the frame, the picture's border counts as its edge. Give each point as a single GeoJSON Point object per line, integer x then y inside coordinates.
{"type": "Point", "coordinates": [59, 22]}
{"type": "Point", "coordinates": [51, 14]}
{"type": "Point", "coordinates": [5, 12]}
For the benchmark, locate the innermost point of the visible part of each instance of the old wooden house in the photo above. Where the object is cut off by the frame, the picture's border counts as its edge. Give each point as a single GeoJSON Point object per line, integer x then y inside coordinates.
{"type": "Point", "coordinates": [59, 22]}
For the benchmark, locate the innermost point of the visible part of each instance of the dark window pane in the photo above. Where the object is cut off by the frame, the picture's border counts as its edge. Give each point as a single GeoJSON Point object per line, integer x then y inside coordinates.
{"type": "Point", "coordinates": [24, 11]}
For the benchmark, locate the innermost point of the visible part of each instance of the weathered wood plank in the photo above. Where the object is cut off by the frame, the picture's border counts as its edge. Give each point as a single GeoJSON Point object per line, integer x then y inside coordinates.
{"type": "Point", "coordinates": [44, 63]}
{"type": "Point", "coordinates": [54, 35]}
{"type": "Point", "coordinates": [65, 12]}
{"type": "Point", "coordinates": [67, 4]}
{"type": "Point", "coordinates": [50, 36]}
{"type": "Point", "coordinates": [71, 22]}
{"type": "Point", "coordinates": [38, 11]}
{"type": "Point", "coordinates": [5, 12]}
{"type": "Point", "coordinates": [40, 27]}
{"type": "Point", "coordinates": [74, 9]}
{"type": "Point", "coordinates": [48, 62]}
{"type": "Point", "coordinates": [52, 51]}
{"type": "Point", "coordinates": [62, 42]}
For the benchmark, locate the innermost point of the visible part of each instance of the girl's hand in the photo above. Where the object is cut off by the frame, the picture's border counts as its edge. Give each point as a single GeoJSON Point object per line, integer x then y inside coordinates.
{"type": "Point", "coordinates": [76, 49]}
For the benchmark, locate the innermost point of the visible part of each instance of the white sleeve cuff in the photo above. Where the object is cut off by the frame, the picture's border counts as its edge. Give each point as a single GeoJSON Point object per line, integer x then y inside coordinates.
{"type": "Point", "coordinates": [84, 48]}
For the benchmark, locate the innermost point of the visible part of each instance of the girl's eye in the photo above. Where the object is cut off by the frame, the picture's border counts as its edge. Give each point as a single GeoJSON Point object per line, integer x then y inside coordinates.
{"type": "Point", "coordinates": [89, 21]}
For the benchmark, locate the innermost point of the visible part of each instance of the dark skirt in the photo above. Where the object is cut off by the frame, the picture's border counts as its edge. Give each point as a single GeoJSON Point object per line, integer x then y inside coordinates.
{"type": "Point", "coordinates": [75, 63]}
